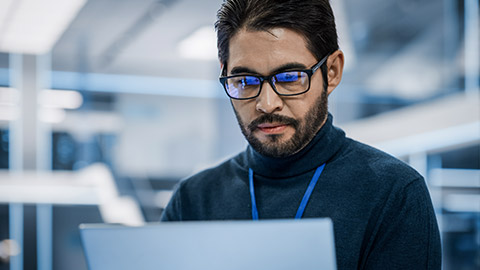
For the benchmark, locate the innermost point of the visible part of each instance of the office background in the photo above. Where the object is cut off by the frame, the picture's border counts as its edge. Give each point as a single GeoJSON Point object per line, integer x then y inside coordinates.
{"type": "Point", "coordinates": [106, 104]}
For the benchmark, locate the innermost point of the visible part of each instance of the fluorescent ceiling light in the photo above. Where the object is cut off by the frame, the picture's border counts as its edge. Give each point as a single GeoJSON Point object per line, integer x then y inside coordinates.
{"type": "Point", "coordinates": [9, 96]}
{"type": "Point", "coordinates": [9, 113]}
{"type": "Point", "coordinates": [52, 102]}
{"type": "Point", "coordinates": [52, 116]}
{"type": "Point", "coordinates": [47, 115]}
{"type": "Point", "coordinates": [201, 45]}
{"type": "Point", "coordinates": [32, 26]}
{"type": "Point", "coordinates": [60, 99]}
{"type": "Point", "coordinates": [9, 99]}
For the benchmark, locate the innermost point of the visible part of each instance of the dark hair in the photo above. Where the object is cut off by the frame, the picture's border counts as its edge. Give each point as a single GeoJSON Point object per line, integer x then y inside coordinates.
{"type": "Point", "coordinates": [313, 19]}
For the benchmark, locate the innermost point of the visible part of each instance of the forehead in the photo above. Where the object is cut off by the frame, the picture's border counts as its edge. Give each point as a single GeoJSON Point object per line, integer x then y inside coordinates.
{"type": "Point", "coordinates": [265, 50]}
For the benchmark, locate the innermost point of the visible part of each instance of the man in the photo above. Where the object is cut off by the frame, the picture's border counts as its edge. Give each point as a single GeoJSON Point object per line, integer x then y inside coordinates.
{"type": "Point", "coordinates": [280, 61]}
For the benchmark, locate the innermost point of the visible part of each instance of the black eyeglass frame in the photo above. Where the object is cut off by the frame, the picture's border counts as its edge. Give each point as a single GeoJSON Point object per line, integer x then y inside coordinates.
{"type": "Point", "coordinates": [310, 72]}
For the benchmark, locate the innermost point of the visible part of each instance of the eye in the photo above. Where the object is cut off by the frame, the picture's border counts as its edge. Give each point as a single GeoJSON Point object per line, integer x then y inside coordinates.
{"type": "Point", "coordinates": [250, 80]}
{"type": "Point", "coordinates": [245, 81]}
{"type": "Point", "coordinates": [291, 76]}
{"type": "Point", "coordinates": [285, 77]}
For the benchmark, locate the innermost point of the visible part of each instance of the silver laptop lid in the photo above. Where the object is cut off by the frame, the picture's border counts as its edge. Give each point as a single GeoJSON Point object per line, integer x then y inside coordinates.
{"type": "Point", "coordinates": [214, 245]}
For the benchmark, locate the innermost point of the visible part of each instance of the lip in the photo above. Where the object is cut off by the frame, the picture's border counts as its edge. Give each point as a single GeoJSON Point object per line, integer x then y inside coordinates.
{"type": "Point", "coordinates": [272, 128]}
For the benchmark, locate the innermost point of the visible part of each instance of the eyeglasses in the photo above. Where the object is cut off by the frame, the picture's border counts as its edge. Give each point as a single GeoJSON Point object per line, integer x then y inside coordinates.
{"type": "Point", "coordinates": [287, 83]}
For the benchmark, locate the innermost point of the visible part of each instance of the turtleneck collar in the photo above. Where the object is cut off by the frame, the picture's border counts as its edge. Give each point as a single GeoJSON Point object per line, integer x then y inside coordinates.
{"type": "Point", "coordinates": [323, 146]}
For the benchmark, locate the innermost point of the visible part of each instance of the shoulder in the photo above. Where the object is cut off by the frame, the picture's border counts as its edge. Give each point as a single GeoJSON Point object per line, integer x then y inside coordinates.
{"type": "Point", "coordinates": [214, 176]}
{"type": "Point", "coordinates": [194, 194]}
{"type": "Point", "coordinates": [378, 164]}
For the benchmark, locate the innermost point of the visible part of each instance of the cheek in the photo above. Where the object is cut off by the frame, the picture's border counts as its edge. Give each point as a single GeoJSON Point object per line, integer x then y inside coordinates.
{"type": "Point", "coordinates": [306, 104]}
{"type": "Point", "coordinates": [302, 110]}
{"type": "Point", "coordinates": [245, 110]}
{"type": "Point", "coordinates": [297, 108]}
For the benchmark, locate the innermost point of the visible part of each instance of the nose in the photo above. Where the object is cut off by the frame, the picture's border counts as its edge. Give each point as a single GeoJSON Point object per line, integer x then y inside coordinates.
{"type": "Point", "coordinates": [268, 101]}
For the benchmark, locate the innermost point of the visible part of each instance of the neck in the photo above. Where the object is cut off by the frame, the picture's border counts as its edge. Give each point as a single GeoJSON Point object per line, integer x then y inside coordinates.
{"type": "Point", "coordinates": [319, 150]}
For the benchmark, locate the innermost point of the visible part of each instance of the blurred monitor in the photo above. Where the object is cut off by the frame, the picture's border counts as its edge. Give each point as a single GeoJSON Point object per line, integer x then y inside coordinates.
{"type": "Point", "coordinates": [215, 245]}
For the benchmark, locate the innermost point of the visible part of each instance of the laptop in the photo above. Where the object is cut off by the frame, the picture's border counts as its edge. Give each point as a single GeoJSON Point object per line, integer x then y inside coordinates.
{"type": "Point", "coordinates": [213, 245]}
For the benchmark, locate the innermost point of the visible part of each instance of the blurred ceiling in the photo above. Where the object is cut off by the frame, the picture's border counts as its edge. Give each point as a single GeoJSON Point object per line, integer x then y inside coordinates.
{"type": "Point", "coordinates": [401, 48]}
{"type": "Point", "coordinates": [138, 37]}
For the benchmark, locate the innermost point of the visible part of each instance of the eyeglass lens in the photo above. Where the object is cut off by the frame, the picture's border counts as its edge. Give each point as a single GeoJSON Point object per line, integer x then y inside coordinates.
{"type": "Point", "coordinates": [286, 83]}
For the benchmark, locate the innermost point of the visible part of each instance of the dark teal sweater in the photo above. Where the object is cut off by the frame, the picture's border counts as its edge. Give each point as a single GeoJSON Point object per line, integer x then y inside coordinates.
{"type": "Point", "coordinates": [381, 209]}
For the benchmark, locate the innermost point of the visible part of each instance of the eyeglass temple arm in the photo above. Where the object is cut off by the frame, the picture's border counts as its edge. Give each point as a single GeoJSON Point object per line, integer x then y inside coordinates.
{"type": "Point", "coordinates": [319, 64]}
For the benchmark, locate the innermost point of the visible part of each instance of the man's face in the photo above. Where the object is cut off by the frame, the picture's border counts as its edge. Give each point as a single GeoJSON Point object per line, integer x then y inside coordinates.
{"type": "Point", "coordinates": [273, 125]}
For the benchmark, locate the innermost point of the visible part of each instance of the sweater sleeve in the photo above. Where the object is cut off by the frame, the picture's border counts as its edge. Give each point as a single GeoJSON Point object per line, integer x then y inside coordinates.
{"type": "Point", "coordinates": [407, 235]}
{"type": "Point", "coordinates": [173, 211]}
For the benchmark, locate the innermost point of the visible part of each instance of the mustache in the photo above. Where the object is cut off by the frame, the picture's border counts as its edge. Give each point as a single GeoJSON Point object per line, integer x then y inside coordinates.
{"type": "Point", "coordinates": [272, 118]}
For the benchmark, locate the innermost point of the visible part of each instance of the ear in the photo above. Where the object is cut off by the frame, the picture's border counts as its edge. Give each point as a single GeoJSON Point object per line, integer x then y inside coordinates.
{"type": "Point", "coordinates": [334, 70]}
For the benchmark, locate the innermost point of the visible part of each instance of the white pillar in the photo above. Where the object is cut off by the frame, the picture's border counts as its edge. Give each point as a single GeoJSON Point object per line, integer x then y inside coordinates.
{"type": "Point", "coordinates": [30, 149]}
{"type": "Point", "coordinates": [16, 165]}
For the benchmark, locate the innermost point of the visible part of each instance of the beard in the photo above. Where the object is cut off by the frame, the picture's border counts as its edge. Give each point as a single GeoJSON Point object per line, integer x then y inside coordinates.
{"type": "Point", "coordinates": [305, 130]}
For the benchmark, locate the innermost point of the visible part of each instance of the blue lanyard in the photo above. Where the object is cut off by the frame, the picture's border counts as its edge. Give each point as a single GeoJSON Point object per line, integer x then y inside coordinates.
{"type": "Point", "coordinates": [305, 199]}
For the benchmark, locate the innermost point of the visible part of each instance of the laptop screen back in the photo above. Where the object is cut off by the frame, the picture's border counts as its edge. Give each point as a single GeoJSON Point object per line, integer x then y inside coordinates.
{"type": "Point", "coordinates": [214, 245]}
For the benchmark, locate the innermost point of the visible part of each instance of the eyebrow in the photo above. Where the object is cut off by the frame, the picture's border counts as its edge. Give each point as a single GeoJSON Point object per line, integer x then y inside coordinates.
{"type": "Point", "coordinates": [285, 67]}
